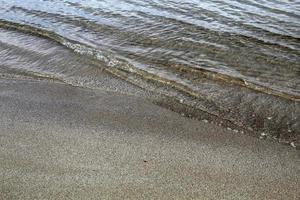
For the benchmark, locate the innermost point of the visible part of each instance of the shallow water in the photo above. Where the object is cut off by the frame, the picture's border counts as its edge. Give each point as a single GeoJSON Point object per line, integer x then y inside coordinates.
{"type": "Point", "coordinates": [215, 55]}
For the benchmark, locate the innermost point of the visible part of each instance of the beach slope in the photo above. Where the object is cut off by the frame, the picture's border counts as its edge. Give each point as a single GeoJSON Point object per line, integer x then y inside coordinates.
{"type": "Point", "coordinates": [64, 142]}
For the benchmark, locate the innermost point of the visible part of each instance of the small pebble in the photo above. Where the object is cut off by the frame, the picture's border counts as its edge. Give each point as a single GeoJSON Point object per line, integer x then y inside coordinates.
{"type": "Point", "coordinates": [236, 131]}
{"type": "Point", "coordinates": [289, 130]}
{"type": "Point", "coordinates": [263, 134]}
{"type": "Point", "coordinates": [293, 144]}
{"type": "Point", "coordinates": [269, 118]}
{"type": "Point", "coordinates": [229, 129]}
{"type": "Point", "coordinates": [205, 121]}
{"type": "Point", "coordinates": [181, 100]}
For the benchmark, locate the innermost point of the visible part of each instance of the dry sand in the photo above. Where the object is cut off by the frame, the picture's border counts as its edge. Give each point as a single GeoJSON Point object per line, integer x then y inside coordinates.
{"type": "Point", "coordinates": [64, 142]}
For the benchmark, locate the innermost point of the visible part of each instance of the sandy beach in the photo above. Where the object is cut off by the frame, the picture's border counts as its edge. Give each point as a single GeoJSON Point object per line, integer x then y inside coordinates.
{"type": "Point", "coordinates": [64, 142]}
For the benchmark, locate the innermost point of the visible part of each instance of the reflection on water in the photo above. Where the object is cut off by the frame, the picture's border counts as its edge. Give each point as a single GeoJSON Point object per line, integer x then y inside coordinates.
{"type": "Point", "coordinates": [226, 52]}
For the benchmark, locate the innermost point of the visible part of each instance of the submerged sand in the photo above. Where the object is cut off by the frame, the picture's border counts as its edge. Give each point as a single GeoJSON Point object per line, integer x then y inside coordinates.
{"type": "Point", "coordinates": [64, 142]}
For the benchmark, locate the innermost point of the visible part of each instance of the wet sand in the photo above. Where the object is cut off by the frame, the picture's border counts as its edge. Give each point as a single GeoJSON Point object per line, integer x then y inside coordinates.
{"type": "Point", "coordinates": [64, 142]}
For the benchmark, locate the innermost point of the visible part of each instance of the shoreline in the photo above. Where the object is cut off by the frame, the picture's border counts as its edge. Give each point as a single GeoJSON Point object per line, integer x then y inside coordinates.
{"type": "Point", "coordinates": [198, 95]}
{"type": "Point", "coordinates": [60, 141]}
{"type": "Point", "coordinates": [115, 85]}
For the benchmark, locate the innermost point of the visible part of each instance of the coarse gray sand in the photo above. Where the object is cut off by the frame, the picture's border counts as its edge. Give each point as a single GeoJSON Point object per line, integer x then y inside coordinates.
{"type": "Point", "coordinates": [64, 142]}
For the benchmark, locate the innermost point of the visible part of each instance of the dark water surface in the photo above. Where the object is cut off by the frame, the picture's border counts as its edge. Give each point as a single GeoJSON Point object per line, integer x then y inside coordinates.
{"type": "Point", "coordinates": [239, 60]}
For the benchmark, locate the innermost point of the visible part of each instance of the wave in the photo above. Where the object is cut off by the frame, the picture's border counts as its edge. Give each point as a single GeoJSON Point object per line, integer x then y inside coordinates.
{"type": "Point", "coordinates": [115, 64]}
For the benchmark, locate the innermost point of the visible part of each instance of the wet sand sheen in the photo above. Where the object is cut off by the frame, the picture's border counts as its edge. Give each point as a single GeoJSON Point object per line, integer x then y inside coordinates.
{"type": "Point", "coordinates": [59, 141]}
